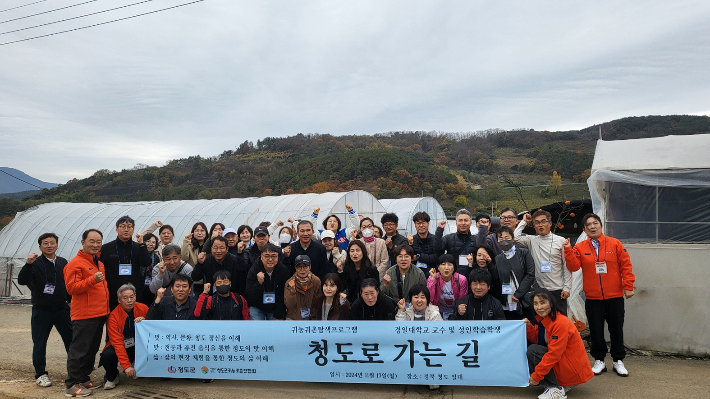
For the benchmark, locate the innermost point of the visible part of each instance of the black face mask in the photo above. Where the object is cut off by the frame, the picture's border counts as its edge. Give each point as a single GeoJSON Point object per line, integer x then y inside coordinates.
{"type": "Point", "coordinates": [223, 289]}
{"type": "Point", "coordinates": [506, 245]}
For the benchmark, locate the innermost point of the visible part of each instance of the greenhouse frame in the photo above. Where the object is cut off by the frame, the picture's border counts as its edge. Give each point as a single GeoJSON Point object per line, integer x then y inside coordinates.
{"type": "Point", "coordinates": [70, 220]}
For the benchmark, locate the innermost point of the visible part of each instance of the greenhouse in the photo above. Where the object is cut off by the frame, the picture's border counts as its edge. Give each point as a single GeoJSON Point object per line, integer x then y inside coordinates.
{"type": "Point", "coordinates": [653, 194]}
{"type": "Point", "coordinates": [69, 220]}
{"type": "Point", "coordinates": [405, 208]}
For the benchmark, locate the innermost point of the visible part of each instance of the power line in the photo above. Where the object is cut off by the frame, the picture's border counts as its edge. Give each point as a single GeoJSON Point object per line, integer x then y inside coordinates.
{"type": "Point", "coordinates": [20, 179]}
{"type": "Point", "coordinates": [47, 12]}
{"type": "Point", "coordinates": [102, 23]}
{"type": "Point", "coordinates": [15, 8]}
{"type": "Point", "coordinates": [80, 16]}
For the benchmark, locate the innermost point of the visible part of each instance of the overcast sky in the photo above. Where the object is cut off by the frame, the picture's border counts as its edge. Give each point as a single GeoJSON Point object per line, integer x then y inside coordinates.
{"type": "Point", "coordinates": [203, 78]}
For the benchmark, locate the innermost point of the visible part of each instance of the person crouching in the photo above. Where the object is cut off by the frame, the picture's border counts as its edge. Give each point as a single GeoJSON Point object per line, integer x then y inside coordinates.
{"type": "Point", "coordinates": [557, 358]}
{"type": "Point", "coordinates": [121, 330]}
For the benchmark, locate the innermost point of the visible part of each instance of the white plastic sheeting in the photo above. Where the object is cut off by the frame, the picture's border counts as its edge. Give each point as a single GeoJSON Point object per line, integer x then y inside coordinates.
{"type": "Point", "coordinates": [69, 220]}
{"type": "Point", "coordinates": [405, 208]}
{"type": "Point", "coordinates": [653, 190]}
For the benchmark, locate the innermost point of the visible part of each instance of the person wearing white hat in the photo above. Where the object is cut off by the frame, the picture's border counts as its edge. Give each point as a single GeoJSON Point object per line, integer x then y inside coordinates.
{"type": "Point", "coordinates": [234, 245]}
{"type": "Point", "coordinates": [334, 254]}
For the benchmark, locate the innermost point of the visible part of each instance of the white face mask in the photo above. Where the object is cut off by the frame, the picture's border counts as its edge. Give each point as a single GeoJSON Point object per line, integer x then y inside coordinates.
{"type": "Point", "coordinates": [285, 238]}
{"type": "Point", "coordinates": [367, 233]}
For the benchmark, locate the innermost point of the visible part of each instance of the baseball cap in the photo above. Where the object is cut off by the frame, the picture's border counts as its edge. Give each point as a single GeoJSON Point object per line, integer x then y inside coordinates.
{"type": "Point", "coordinates": [327, 234]}
{"type": "Point", "coordinates": [261, 230]}
{"type": "Point", "coordinates": [302, 260]}
{"type": "Point", "coordinates": [228, 230]}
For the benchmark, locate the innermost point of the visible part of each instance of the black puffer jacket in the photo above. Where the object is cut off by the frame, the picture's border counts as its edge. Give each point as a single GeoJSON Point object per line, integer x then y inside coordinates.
{"type": "Point", "coordinates": [455, 244]}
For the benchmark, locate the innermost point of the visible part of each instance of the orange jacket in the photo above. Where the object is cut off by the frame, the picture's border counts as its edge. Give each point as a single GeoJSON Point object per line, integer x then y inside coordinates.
{"type": "Point", "coordinates": [566, 354]}
{"type": "Point", "coordinates": [89, 298]}
{"type": "Point", "coordinates": [114, 329]}
{"type": "Point", "coordinates": [618, 275]}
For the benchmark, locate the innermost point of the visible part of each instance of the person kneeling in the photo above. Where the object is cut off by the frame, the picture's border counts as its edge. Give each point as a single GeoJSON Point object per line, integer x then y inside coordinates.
{"type": "Point", "coordinates": [557, 358]}
{"type": "Point", "coordinates": [224, 304]}
{"type": "Point", "coordinates": [479, 304]}
{"type": "Point", "coordinates": [121, 330]}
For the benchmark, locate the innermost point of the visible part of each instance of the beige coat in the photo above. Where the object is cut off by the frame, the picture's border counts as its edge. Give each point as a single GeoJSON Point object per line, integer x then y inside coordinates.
{"type": "Point", "coordinates": [378, 254]}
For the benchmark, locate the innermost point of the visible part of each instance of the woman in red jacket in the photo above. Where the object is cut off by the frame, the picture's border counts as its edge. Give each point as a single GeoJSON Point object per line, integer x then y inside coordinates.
{"type": "Point", "coordinates": [557, 358]}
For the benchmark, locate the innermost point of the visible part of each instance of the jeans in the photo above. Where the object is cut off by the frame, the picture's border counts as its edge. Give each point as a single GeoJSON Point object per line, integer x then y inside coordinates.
{"type": "Point", "coordinates": [42, 322]}
{"type": "Point", "coordinates": [257, 314]}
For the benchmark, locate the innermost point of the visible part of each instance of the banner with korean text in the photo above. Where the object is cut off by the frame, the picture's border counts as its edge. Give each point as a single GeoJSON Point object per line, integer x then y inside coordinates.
{"type": "Point", "coordinates": [384, 352]}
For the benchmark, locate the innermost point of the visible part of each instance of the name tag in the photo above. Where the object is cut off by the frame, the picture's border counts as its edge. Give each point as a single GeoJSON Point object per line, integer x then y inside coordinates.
{"type": "Point", "coordinates": [48, 289]}
{"type": "Point", "coordinates": [129, 342]}
{"type": "Point", "coordinates": [507, 289]}
{"type": "Point", "coordinates": [601, 267]}
{"type": "Point", "coordinates": [269, 297]}
{"type": "Point", "coordinates": [545, 267]}
{"type": "Point", "coordinates": [148, 280]}
{"type": "Point", "coordinates": [305, 313]}
{"type": "Point", "coordinates": [125, 269]}
{"type": "Point", "coordinates": [422, 265]}
{"type": "Point", "coordinates": [462, 260]}
{"type": "Point", "coordinates": [512, 306]}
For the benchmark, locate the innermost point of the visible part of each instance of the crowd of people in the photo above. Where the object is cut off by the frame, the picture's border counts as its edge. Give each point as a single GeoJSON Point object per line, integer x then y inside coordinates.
{"type": "Point", "coordinates": [295, 271]}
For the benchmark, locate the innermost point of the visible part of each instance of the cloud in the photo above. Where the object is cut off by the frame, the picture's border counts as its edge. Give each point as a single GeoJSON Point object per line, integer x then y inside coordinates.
{"type": "Point", "coordinates": [203, 78]}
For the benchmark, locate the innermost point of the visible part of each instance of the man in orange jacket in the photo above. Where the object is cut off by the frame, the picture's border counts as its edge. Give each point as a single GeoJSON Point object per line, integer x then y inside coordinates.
{"type": "Point", "coordinates": [121, 330]}
{"type": "Point", "coordinates": [608, 279]}
{"type": "Point", "coordinates": [85, 282]}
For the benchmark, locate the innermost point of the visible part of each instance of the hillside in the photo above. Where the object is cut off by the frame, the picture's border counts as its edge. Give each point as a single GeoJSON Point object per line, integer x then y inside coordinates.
{"type": "Point", "coordinates": [475, 169]}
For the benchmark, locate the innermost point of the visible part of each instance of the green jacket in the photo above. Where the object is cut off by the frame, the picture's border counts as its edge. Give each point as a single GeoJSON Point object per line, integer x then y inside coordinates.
{"type": "Point", "coordinates": [413, 276]}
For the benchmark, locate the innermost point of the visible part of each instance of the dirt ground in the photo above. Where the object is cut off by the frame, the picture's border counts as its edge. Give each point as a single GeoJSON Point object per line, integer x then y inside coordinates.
{"type": "Point", "coordinates": [650, 377]}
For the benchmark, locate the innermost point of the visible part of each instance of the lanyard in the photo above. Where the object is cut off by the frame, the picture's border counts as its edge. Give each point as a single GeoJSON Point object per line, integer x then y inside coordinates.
{"type": "Point", "coordinates": [119, 255]}
{"type": "Point", "coordinates": [46, 273]}
{"type": "Point", "coordinates": [400, 289]}
{"type": "Point", "coordinates": [600, 248]}
{"type": "Point", "coordinates": [129, 320]}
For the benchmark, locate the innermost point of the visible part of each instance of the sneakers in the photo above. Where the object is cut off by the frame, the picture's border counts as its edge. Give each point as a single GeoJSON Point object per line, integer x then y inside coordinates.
{"type": "Point", "coordinates": [553, 393]}
{"type": "Point", "coordinates": [44, 381]}
{"type": "Point", "coordinates": [111, 384]}
{"type": "Point", "coordinates": [619, 369]}
{"type": "Point", "coordinates": [77, 391]}
{"type": "Point", "coordinates": [599, 367]}
{"type": "Point", "coordinates": [91, 385]}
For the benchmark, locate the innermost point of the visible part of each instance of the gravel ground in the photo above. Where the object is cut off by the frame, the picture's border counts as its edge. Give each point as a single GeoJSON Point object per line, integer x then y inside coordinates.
{"type": "Point", "coordinates": [651, 377]}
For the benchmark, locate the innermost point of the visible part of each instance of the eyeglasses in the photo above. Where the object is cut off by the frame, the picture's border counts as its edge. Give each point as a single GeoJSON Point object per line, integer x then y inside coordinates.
{"type": "Point", "coordinates": [507, 218]}
{"type": "Point", "coordinates": [270, 257]}
{"type": "Point", "coordinates": [366, 226]}
{"type": "Point", "coordinates": [125, 227]}
{"type": "Point", "coordinates": [540, 222]}
{"type": "Point", "coordinates": [389, 224]}
{"type": "Point", "coordinates": [421, 222]}
{"type": "Point", "coordinates": [302, 266]}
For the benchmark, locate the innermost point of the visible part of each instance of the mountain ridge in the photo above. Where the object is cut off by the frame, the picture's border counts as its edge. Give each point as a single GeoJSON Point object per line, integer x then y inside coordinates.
{"type": "Point", "coordinates": [460, 170]}
{"type": "Point", "coordinates": [14, 181]}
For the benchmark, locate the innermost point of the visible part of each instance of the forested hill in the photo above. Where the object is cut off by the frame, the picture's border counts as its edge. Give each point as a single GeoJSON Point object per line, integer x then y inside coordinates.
{"type": "Point", "coordinates": [390, 165]}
